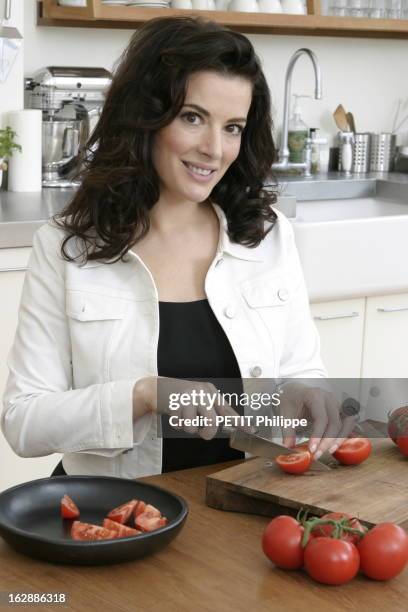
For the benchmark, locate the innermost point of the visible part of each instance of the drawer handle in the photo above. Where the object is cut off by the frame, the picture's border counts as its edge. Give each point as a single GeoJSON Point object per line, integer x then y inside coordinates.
{"type": "Point", "coordinates": [338, 316]}
{"type": "Point", "coordinates": [17, 269]}
{"type": "Point", "coordinates": [397, 309]}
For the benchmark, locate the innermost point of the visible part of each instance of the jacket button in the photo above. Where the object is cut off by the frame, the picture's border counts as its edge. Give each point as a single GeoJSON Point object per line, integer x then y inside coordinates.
{"type": "Point", "coordinates": [283, 294]}
{"type": "Point", "coordinates": [230, 312]}
{"type": "Point", "coordinates": [255, 371]}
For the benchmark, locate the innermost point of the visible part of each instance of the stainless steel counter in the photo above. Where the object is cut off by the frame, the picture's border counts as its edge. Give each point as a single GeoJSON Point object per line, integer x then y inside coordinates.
{"type": "Point", "coordinates": [21, 214]}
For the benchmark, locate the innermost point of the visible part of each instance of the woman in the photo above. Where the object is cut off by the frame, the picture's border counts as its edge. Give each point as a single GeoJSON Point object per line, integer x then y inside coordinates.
{"type": "Point", "coordinates": [169, 262]}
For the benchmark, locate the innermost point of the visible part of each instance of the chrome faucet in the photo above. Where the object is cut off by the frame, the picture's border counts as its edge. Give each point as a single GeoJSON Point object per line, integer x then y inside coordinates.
{"type": "Point", "coordinates": [284, 163]}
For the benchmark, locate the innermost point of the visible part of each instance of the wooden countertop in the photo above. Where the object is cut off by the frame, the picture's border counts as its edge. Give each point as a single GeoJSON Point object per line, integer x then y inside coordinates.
{"type": "Point", "coordinates": [215, 564]}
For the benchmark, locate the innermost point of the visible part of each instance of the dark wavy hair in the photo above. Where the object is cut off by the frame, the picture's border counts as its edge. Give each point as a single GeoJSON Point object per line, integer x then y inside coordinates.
{"type": "Point", "coordinates": [119, 183]}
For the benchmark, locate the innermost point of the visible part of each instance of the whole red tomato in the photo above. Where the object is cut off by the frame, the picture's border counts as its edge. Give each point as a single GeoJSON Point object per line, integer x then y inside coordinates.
{"type": "Point", "coordinates": [331, 561]}
{"type": "Point", "coordinates": [327, 530]}
{"type": "Point", "coordinates": [383, 551]}
{"type": "Point", "coordinates": [398, 423]}
{"type": "Point", "coordinates": [295, 463]}
{"type": "Point", "coordinates": [402, 442]}
{"type": "Point", "coordinates": [353, 451]}
{"type": "Point", "coordinates": [282, 542]}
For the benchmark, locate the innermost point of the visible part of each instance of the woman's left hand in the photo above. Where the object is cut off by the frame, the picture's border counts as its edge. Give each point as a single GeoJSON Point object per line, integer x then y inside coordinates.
{"type": "Point", "coordinates": [321, 410]}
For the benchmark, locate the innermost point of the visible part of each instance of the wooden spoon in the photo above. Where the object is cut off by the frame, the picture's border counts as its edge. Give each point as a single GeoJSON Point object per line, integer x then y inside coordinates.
{"type": "Point", "coordinates": [340, 118]}
{"type": "Point", "coordinates": [351, 122]}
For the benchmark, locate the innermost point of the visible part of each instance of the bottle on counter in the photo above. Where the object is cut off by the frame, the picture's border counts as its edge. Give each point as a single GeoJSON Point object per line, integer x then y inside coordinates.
{"type": "Point", "coordinates": [315, 155]}
{"type": "Point", "coordinates": [320, 152]}
{"type": "Point", "coordinates": [298, 133]}
{"type": "Point", "coordinates": [324, 154]}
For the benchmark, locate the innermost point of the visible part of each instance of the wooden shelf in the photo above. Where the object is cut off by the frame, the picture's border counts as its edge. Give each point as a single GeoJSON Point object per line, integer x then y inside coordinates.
{"type": "Point", "coordinates": [98, 15]}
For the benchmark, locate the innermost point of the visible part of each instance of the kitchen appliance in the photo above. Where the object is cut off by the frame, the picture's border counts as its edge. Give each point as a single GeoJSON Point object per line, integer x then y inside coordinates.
{"type": "Point", "coordinates": [71, 101]}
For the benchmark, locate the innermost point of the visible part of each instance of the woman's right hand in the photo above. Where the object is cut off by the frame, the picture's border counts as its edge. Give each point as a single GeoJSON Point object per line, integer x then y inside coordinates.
{"type": "Point", "coordinates": [152, 394]}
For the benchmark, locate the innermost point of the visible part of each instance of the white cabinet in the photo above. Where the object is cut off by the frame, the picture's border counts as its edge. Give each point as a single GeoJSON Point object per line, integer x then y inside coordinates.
{"type": "Point", "coordinates": [386, 337]}
{"type": "Point", "coordinates": [13, 469]}
{"type": "Point", "coordinates": [341, 327]}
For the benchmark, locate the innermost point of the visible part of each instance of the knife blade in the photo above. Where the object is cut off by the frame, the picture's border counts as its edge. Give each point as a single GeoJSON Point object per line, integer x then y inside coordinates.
{"type": "Point", "coordinates": [262, 447]}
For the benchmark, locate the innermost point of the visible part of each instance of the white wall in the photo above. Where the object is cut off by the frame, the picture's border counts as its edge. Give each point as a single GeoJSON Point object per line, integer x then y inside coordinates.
{"type": "Point", "coordinates": [11, 91]}
{"type": "Point", "coordinates": [367, 76]}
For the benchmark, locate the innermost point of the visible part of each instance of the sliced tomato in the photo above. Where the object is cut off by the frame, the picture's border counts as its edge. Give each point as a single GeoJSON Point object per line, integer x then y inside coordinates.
{"type": "Point", "coordinates": [152, 510]}
{"type": "Point", "coordinates": [147, 522]}
{"type": "Point", "coordinates": [69, 509]}
{"type": "Point", "coordinates": [295, 463]}
{"type": "Point", "coordinates": [139, 508]}
{"type": "Point", "coordinates": [122, 531]}
{"type": "Point", "coordinates": [327, 530]}
{"type": "Point", "coordinates": [353, 451]}
{"type": "Point", "coordinates": [87, 531]}
{"type": "Point", "coordinates": [122, 513]}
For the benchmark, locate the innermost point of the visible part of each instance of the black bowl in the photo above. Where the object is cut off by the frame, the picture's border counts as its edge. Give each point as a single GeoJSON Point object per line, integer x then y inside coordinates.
{"type": "Point", "coordinates": [31, 522]}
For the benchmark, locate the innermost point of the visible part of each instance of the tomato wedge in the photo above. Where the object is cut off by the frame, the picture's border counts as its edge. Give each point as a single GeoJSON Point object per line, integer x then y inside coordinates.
{"type": "Point", "coordinates": [295, 463]}
{"type": "Point", "coordinates": [122, 531]}
{"type": "Point", "coordinates": [69, 509]}
{"type": "Point", "coordinates": [122, 513]}
{"type": "Point", "coordinates": [87, 531]}
{"type": "Point", "coordinates": [149, 522]}
{"type": "Point", "coordinates": [353, 451]}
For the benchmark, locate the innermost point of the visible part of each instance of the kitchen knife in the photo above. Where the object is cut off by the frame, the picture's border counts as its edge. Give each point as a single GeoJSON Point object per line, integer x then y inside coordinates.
{"type": "Point", "coordinates": [262, 447]}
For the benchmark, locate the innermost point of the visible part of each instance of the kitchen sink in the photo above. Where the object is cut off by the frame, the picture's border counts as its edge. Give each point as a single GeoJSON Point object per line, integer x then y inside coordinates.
{"type": "Point", "coordinates": [336, 210]}
{"type": "Point", "coordinates": [353, 247]}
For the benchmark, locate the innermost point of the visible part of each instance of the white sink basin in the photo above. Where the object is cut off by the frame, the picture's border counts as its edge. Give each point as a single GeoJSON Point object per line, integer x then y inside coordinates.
{"type": "Point", "coordinates": [336, 210]}
{"type": "Point", "coordinates": [352, 248]}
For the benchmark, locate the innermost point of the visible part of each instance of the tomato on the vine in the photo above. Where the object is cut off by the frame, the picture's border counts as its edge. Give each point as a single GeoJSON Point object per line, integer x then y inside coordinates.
{"type": "Point", "coordinates": [295, 463]}
{"type": "Point", "coordinates": [331, 561]}
{"type": "Point", "coordinates": [402, 443]}
{"type": "Point", "coordinates": [282, 542]}
{"type": "Point", "coordinates": [327, 530]}
{"type": "Point", "coordinates": [383, 551]}
{"type": "Point", "coordinates": [353, 451]}
{"type": "Point", "coordinates": [398, 423]}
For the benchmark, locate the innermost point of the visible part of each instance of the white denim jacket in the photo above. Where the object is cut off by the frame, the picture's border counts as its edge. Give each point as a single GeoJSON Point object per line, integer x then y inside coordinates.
{"type": "Point", "coordinates": [86, 334]}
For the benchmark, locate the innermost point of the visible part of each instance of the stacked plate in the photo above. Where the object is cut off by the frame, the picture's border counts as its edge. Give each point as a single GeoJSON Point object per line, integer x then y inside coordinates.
{"type": "Point", "coordinates": [151, 3]}
{"type": "Point", "coordinates": [145, 3]}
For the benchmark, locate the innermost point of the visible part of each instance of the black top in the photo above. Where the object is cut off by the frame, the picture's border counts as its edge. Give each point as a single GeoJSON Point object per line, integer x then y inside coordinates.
{"type": "Point", "coordinates": [193, 345]}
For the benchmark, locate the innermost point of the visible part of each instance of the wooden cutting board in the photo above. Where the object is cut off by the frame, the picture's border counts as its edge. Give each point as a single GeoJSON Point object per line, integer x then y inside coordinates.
{"type": "Point", "coordinates": [375, 491]}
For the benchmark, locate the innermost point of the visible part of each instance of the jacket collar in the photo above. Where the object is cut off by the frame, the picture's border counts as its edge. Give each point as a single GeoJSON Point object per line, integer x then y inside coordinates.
{"type": "Point", "coordinates": [225, 245]}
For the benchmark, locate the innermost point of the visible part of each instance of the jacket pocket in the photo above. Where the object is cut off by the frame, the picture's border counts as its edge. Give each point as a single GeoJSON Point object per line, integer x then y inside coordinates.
{"type": "Point", "coordinates": [96, 323]}
{"type": "Point", "coordinates": [88, 306]}
{"type": "Point", "coordinates": [268, 300]}
{"type": "Point", "coordinates": [267, 291]}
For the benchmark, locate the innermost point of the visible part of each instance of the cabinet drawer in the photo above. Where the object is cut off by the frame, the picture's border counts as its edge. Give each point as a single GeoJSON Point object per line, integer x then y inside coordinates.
{"type": "Point", "coordinates": [341, 326]}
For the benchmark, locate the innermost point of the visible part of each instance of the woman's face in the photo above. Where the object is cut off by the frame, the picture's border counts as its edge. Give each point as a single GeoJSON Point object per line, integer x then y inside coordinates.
{"type": "Point", "coordinates": [194, 151]}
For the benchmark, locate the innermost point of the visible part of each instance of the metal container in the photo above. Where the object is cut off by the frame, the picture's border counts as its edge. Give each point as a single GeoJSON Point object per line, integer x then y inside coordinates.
{"type": "Point", "coordinates": [382, 152]}
{"type": "Point", "coordinates": [361, 152]}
